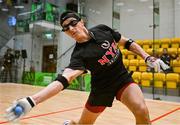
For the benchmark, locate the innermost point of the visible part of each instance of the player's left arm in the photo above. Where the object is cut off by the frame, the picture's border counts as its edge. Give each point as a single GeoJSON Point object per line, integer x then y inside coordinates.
{"type": "Point", "coordinates": [131, 45]}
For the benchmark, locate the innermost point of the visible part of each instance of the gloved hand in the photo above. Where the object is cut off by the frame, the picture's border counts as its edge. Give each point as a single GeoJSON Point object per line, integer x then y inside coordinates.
{"type": "Point", "coordinates": [26, 103]}
{"type": "Point", "coordinates": [156, 63]}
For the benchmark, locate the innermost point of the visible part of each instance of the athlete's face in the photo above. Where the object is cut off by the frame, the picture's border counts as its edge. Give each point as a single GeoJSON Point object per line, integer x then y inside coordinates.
{"type": "Point", "coordinates": [75, 29]}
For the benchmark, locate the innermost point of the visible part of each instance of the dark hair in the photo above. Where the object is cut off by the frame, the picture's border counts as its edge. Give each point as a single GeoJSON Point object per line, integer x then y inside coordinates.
{"type": "Point", "coordinates": [67, 14]}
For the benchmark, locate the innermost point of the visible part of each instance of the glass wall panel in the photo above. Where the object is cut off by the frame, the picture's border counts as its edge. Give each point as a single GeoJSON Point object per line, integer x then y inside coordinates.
{"type": "Point", "coordinates": [153, 24]}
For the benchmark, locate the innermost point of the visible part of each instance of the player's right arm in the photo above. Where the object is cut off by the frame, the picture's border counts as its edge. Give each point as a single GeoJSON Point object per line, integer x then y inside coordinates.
{"type": "Point", "coordinates": [27, 103]}
{"type": "Point", "coordinates": [57, 85]}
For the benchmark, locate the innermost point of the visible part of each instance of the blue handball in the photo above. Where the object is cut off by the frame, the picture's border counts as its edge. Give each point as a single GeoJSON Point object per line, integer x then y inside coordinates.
{"type": "Point", "coordinates": [18, 110]}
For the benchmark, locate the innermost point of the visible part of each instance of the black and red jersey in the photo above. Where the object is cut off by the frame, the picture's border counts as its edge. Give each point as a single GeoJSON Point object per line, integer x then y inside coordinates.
{"type": "Point", "coordinates": [102, 57]}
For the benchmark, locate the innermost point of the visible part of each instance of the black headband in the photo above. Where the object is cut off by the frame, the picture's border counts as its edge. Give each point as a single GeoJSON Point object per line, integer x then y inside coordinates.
{"type": "Point", "coordinates": [68, 16]}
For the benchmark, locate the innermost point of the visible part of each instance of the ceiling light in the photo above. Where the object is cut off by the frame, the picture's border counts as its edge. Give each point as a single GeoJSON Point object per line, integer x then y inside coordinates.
{"type": "Point", "coordinates": [98, 12]}
{"type": "Point", "coordinates": [130, 10]}
{"type": "Point", "coordinates": [49, 36]}
{"type": "Point", "coordinates": [18, 7]}
{"type": "Point", "coordinates": [150, 7]}
{"type": "Point", "coordinates": [120, 4]}
{"type": "Point", "coordinates": [1, 1]}
{"type": "Point", "coordinates": [143, 0]}
{"type": "Point", "coordinates": [5, 9]}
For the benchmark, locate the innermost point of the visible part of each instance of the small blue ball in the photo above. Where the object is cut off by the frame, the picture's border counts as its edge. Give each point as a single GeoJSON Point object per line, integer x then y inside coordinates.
{"type": "Point", "coordinates": [18, 110]}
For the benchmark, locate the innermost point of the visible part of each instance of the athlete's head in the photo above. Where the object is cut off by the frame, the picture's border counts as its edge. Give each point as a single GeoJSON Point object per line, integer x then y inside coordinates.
{"type": "Point", "coordinates": [73, 26]}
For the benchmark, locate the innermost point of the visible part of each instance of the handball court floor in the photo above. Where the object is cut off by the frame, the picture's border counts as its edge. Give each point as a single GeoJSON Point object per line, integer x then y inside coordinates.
{"type": "Point", "coordinates": [69, 104]}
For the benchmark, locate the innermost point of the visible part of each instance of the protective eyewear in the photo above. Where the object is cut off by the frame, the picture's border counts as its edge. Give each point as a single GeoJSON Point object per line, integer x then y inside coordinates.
{"type": "Point", "coordinates": [73, 23]}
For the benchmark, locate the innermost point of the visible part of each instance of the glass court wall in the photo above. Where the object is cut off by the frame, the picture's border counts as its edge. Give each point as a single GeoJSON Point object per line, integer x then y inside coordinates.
{"type": "Point", "coordinates": [153, 24]}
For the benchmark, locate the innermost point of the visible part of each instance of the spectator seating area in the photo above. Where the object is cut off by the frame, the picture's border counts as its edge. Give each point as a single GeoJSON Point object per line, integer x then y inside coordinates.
{"type": "Point", "coordinates": [159, 80]}
{"type": "Point", "coordinates": [169, 81]}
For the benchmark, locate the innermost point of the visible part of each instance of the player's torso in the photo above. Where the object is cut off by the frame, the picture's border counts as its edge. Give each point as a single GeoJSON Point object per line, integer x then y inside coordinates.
{"type": "Point", "coordinates": [101, 52]}
{"type": "Point", "coordinates": [103, 58]}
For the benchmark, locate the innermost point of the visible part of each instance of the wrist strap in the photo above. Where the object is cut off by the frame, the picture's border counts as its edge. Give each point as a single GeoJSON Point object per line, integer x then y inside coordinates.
{"type": "Point", "coordinates": [31, 102]}
{"type": "Point", "coordinates": [147, 58]}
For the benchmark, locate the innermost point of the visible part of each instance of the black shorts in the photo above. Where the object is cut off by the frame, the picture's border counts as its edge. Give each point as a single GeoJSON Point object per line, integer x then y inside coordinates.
{"type": "Point", "coordinates": [106, 96]}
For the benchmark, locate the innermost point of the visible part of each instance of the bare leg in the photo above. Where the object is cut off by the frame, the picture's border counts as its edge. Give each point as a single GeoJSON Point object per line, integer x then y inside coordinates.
{"type": "Point", "coordinates": [87, 117]}
{"type": "Point", "coordinates": [133, 98]}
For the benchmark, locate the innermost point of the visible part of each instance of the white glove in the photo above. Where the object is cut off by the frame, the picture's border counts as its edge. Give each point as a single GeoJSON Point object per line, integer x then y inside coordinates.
{"type": "Point", "coordinates": [26, 103]}
{"type": "Point", "coordinates": [157, 64]}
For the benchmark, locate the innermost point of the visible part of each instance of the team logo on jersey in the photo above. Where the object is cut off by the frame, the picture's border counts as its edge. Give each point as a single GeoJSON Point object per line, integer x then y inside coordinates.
{"type": "Point", "coordinates": [105, 44]}
{"type": "Point", "coordinates": [110, 56]}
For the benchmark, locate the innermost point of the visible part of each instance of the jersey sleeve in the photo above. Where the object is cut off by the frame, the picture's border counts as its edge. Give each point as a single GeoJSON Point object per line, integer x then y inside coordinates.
{"type": "Point", "coordinates": [76, 61]}
{"type": "Point", "coordinates": [116, 35]}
